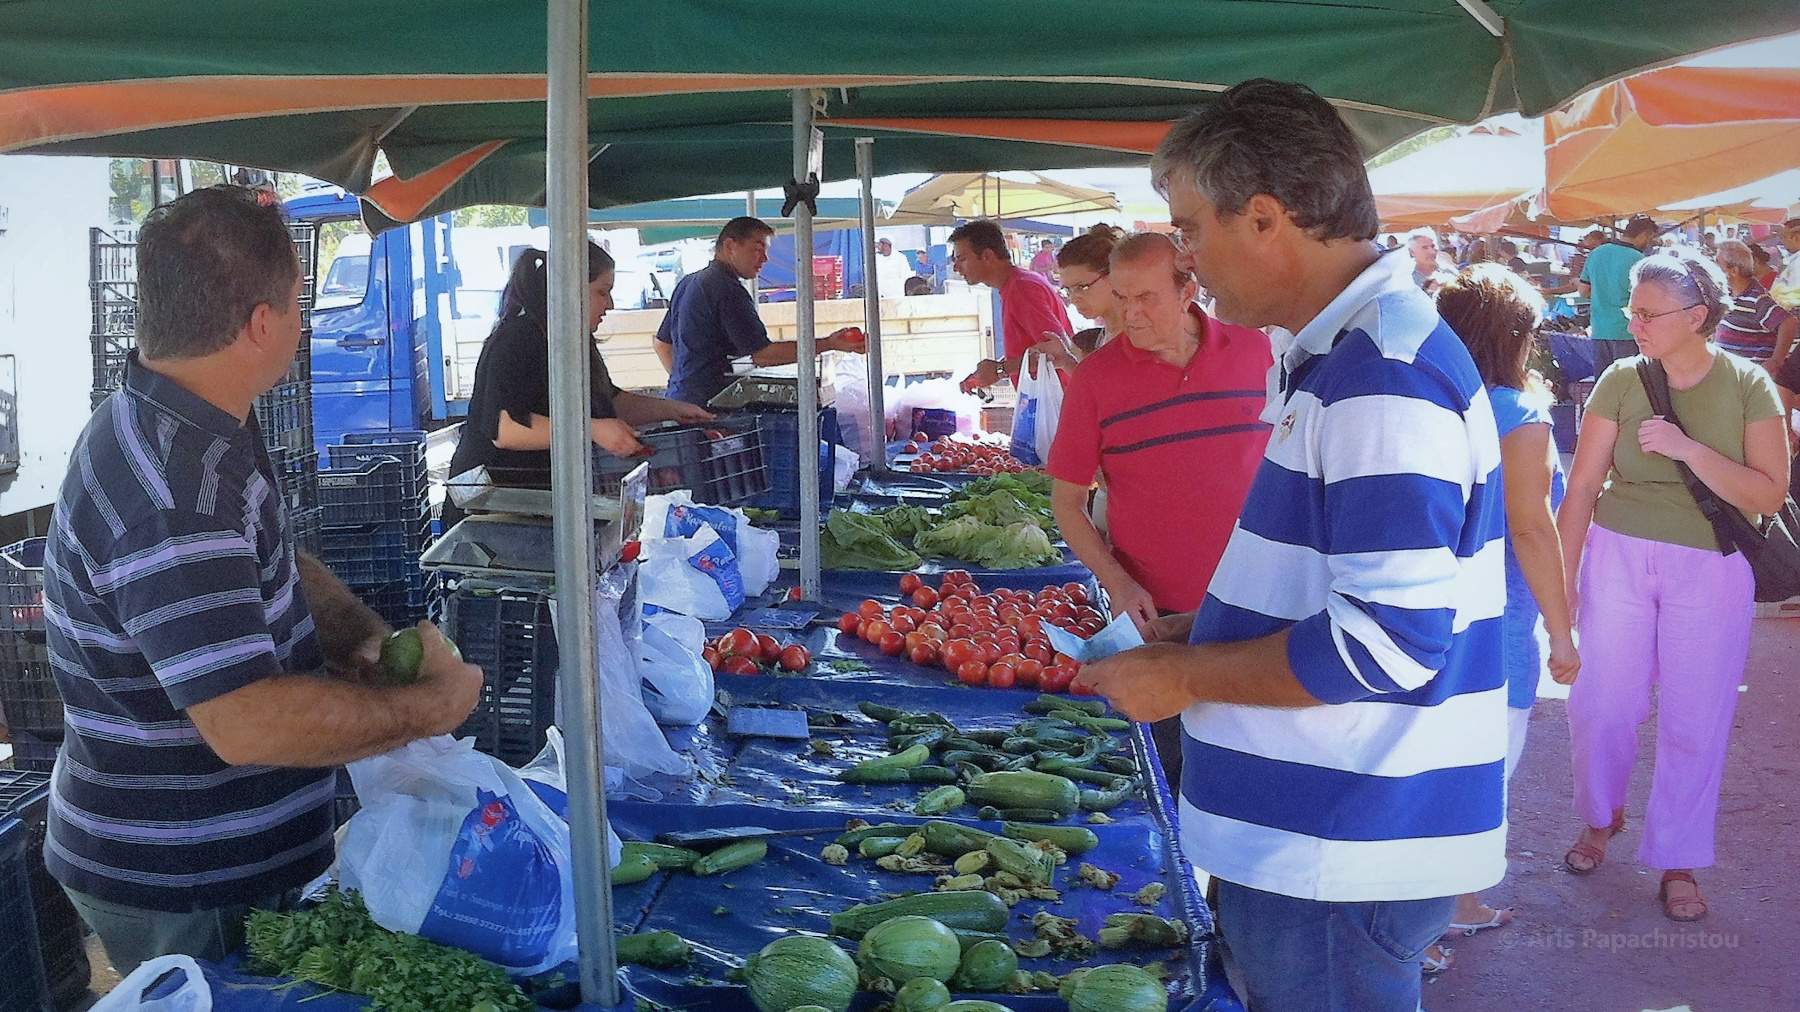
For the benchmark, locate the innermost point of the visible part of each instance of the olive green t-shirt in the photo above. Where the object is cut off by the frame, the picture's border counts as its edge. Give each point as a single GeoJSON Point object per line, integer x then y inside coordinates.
{"type": "Point", "coordinates": [1644, 496]}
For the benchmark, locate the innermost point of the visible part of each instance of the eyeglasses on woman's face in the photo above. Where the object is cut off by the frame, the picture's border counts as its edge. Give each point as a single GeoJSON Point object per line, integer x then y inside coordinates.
{"type": "Point", "coordinates": [1642, 316]}
{"type": "Point", "coordinates": [1072, 291]}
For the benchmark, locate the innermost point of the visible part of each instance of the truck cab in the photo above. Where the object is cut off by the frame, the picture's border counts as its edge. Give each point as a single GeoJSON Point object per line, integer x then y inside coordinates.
{"type": "Point", "coordinates": [381, 306]}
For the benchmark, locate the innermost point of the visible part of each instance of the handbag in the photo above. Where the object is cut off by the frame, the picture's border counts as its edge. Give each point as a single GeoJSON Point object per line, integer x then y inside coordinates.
{"type": "Point", "coordinates": [1770, 548]}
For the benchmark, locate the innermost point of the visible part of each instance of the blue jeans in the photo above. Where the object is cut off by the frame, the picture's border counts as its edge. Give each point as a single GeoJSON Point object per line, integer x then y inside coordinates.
{"type": "Point", "coordinates": [1309, 956]}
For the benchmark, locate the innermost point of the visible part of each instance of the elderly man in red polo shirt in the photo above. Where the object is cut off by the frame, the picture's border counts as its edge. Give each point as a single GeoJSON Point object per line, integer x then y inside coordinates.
{"type": "Point", "coordinates": [1169, 414]}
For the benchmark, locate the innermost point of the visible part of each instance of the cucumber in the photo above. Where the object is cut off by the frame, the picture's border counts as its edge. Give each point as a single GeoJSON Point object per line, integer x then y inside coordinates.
{"type": "Point", "coordinates": [731, 857]}
{"type": "Point", "coordinates": [654, 948]}
{"type": "Point", "coordinates": [988, 813]}
{"type": "Point", "coordinates": [939, 801]}
{"type": "Point", "coordinates": [1109, 799]}
{"type": "Point", "coordinates": [966, 910]}
{"type": "Point", "coordinates": [951, 840]}
{"type": "Point", "coordinates": [876, 711]}
{"type": "Point", "coordinates": [1071, 840]}
{"type": "Point", "coordinates": [1051, 704]}
{"type": "Point", "coordinates": [899, 762]}
{"type": "Point", "coordinates": [873, 847]}
{"type": "Point", "coordinates": [1026, 789]}
{"type": "Point", "coordinates": [663, 855]}
{"type": "Point", "coordinates": [856, 836]}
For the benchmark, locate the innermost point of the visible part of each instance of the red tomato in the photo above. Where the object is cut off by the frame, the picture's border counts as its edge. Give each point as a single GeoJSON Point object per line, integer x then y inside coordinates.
{"type": "Point", "coordinates": [962, 631]}
{"type": "Point", "coordinates": [1030, 626]}
{"type": "Point", "coordinates": [959, 651]}
{"type": "Point", "coordinates": [795, 657]}
{"type": "Point", "coordinates": [1001, 676]}
{"type": "Point", "coordinates": [1037, 651]}
{"type": "Point", "coordinates": [738, 641]}
{"type": "Point", "coordinates": [769, 648]}
{"type": "Point", "coordinates": [850, 622]}
{"type": "Point", "coordinates": [958, 578]}
{"type": "Point", "coordinates": [874, 629]}
{"type": "Point", "coordinates": [1088, 627]}
{"type": "Point", "coordinates": [1078, 594]}
{"type": "Point", "coordinates": [903, 623]}
{"type": "Point", "coordinates": [920, 466]}
{"type": "Point", "coordinates": [924, 597]}
{"type": "Point", "coordinates": [920, 437]}
{"type": "Point", "coordinates": [1056, 679]}
{"type": "Point", "coordinates": [741, 665]}
{"type": "Point", "coordinates": [971, 673]}
{"type": "Point", "coordinates": [710, 655]}
{"type": "Point", "coordinates": [988, 651]}
{"type": "Point", "coordinates": [910, 582]}
{"type": "Point", "coordinates": [892, 643]}
{"type": "Point", "coordinates": [1028, 671]}
{"type": "Point", "coordinates": [934, 632]}
{"type": "Point", "coordinates": [913, 639]}
{"type": "Point", "coordinates": [924, 654]}
{"type": "Point", "coordinates": [871, 608]}
{"type": "Point", "coordinates": [793, 594]}
{"type": "Point", "coordinates": [630, 550]}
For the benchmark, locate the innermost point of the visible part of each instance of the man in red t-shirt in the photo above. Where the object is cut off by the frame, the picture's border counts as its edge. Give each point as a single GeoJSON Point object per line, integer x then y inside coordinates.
{"type": "Point", "coordinates": [1029, 307]}
{"type": "Point", "coordinates": [1169, 413]}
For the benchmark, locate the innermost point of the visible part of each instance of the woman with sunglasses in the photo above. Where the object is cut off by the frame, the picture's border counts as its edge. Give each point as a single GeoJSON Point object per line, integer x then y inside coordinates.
{"type": "Point", "coordinates": [1655, 600]}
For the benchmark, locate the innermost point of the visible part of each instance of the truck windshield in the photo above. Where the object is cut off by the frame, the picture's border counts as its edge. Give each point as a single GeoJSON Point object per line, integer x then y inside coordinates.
{"type": "Point", "coordinates": [344, 250]}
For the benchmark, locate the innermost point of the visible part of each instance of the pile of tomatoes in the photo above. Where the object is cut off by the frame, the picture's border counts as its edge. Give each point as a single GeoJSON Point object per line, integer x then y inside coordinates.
{"type": "Point", "coordinates": [959, 454]}
{"type": "Point", "coordinates": [742, 652]}
{"type": "Point", "coordinates": [994, 639]}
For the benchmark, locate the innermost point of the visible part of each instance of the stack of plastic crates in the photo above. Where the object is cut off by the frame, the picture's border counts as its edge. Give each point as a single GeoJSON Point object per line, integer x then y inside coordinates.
{"type": "Point", "coordinates": [28, 693]}
{"type": "Point", "coordinates": [377, 521]}
{"type": "Point", "coordinates": [718, 465]}
{"type": "Point", "coordinates": [42, 947]}
{"type": "Point", "coordinates": [505, 631]}
{"type": "Point", "coordinates": [112, 287]}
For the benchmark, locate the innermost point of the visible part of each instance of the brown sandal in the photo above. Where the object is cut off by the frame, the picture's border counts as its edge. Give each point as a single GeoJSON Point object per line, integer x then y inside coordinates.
{"type": "Point", "coordinates": [1691, 908]}
{"type": "Point", "coordinates": [1592, 856]}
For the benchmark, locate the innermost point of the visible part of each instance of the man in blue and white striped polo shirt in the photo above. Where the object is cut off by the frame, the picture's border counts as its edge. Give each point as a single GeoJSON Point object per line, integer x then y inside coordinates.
{"type": "Point", "coordinates": [199, 658]}
{"type": "Point", "coordinates": [1342, 703]}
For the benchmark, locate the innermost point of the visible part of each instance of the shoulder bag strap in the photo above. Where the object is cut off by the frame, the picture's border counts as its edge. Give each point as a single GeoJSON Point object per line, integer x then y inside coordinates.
{"type": "Point", "coordinates": [1656, 386]}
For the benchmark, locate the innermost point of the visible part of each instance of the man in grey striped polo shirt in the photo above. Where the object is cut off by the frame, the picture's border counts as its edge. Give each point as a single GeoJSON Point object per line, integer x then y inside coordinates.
{"type": "Point", "coordinates": [210, 677]}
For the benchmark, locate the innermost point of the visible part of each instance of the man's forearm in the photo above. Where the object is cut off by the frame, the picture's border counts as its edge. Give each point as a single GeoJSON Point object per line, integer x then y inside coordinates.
{"type": "Point", "coordinates": [637, 410]}
{"type": "Point", "coordinates": [777, 353]}
{"type": "Point", "coordinates": [1083, 537]}
{"type": "Point", "coordinates": [343, 623]}
{"type": "Point", "coordinates": [665, 353]}
{"type": "Point", "coordinates": [1249, 672]}
{"type": "Point", "coordinates": [310, 721]}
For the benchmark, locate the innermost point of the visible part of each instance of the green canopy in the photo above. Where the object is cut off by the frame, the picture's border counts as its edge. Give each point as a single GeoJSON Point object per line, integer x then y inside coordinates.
{"type": "Point", "coordinates": [687, 99]}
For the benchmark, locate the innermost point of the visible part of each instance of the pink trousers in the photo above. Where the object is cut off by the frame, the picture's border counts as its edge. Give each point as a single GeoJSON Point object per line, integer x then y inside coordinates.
{"type": "Point", "coordinates": [1678, 618]}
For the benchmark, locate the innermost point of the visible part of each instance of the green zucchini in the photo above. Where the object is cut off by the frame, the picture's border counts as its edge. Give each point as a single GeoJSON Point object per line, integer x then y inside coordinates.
{"type": "Point", "coordinates": [968, 910]}
{"type": "Point", "coordinates": [986, 966]}
{"type": "Point", "coordinates": [1026, 789]}
{"type": "Point", "coordinates": [799, 970]}
{"type": "Point", "coordinates": [855, 836]}
{"type": "Point", "coordinates": [939, 801]}
{"type": "Point", "coordinates": [664, 856]}
{"type": "Point", "coordinates": [1032, 866]}
{"type": "Point", "coordinates": [902, 948]}
{"type": "Point", "coordinates": [731, 857]}
{"type": "Point", "coordinates": [631, 869]}
{"type": "Point", "coordinates": [654, 948]}
{"type": "Point", "coordinates": [949, 839]}
{"type": "Point", "coordinates": [1071, 840]}
{"type": "Point", "coordinates": [988, 813]}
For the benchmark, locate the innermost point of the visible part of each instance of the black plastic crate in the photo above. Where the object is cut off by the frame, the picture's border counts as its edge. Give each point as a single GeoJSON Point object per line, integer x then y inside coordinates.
{"type": "Point", "coordinates": [306, 526]}
{"type": "Point", "coordinates": [782, 457]}
{"type": "Point", "coordinates": [718, 465]}
{"type": "Point", "coordinates": [296, 476]}
{"type": "Point", "coordinates": [33, 752]}
{"type": "Point", "coordinates": [23, 985]}
{"type": "Point", "coordinates": [376, 553]}
{"type": "Point", "coordinates": [284, 414]}
{"type": "Point", "coordinates": [28, 693]}
{"type": "Point", "coordinates": [508, 635]}
{"type": "Point", "coordinates": [402, 602]}
{"type": "Point", "coordinates": [358, 448]}
{"type": "Point", "coordinates": [381, 490]}
{"type": "Point", "coordinates": [344, 805]}
{"type": "Point", "coordinates": [24, 796]}
{"type": "Point", "coordinates": [22, 586]}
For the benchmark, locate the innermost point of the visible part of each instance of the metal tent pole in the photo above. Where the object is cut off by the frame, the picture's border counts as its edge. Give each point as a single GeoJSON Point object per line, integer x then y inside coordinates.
{"type": "Point", "coordinates": [750, 209]}
{"type": "Point", "coordinates": [808, 448]}
{"type": "Point", "coordinates": [572, 484]}
{"type": "Point", "coordinates": [865, 171]}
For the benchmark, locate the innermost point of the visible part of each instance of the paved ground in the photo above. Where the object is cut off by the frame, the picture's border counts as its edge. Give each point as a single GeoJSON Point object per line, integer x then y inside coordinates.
{"type": "Point", "coordinates": [1599, 942]}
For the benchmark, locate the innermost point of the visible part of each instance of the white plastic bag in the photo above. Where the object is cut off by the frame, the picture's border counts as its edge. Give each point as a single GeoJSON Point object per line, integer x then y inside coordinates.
{"type": "Point", "coordinates": [629, 736]}
{"type": "Point", "coordinates": [545, 776]}
{"type": "Point", "coordinates": [677, 515]}
{"type": "Point", "coordinates": [677, 682]}
{"type": "Point", "coordinates": [844, 465]}
{"type": "Point", "coordinates": [193, 994]}
{"type": "Point", "coordinates": [1039, 409]}
{"type": "Point", "coordinates": [849, 374]}
{"type": "Point", "coordinates": [452, 846]}
{"type": "Point", "coordinates": [935, 393]}
{"type": "Point", "coordinates": [696, 575]}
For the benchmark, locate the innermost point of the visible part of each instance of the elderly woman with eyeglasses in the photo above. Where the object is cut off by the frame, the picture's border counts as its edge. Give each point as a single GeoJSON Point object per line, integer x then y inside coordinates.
{"type": "Point", "coordinates": [1656, 602]}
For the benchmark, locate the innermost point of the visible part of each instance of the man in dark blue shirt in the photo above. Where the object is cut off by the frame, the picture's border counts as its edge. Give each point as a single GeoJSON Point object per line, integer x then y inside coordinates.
{"type": "Point", "coordinates": [210, 676]}
{"type": "Point", "coordinates": [712, 319]}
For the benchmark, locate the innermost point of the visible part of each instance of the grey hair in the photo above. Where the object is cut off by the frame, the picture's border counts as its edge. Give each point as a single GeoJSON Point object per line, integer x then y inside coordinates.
{"type": "Point", "coordinates": [1145, 246]}
{"type": "Point", "coordinates": [1277, 138]}
{"type": "Point", "coordinates": [1689, 277]}
{"type": "Point", "coordinates": [1734, 255]}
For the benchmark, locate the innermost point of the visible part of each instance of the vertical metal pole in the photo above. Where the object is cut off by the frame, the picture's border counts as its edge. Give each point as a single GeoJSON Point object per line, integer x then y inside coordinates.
{"type": "Point", "coordinates": [865, 171]}
{"type": "Point", "coordinates": [750, 209]}
{"type": "Point", "coordinates": [572, 484]}
{"type": "Point", "coordinates": [808, 448]}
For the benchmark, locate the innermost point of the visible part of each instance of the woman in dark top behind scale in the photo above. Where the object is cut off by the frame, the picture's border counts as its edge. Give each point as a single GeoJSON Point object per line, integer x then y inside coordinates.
{"type": "Point", "coordinates": [508, 428]}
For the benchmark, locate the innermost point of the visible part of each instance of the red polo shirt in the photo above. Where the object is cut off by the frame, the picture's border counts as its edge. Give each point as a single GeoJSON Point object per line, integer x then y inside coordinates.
{"type": "Point", "coordinates": [1178, 447]}
{"type": "Point", "coordinates": [1029, 307]}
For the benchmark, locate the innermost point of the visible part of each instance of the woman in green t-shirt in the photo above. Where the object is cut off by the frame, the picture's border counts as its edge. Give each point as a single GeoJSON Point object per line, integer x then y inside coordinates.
{"type": "Point", "coordinates": [1655, 599]}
